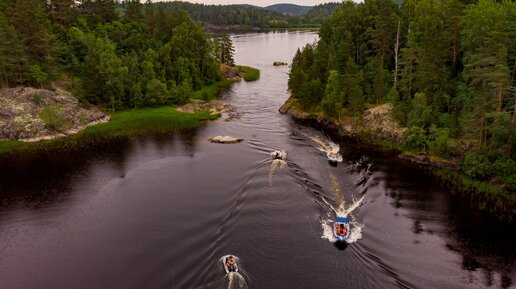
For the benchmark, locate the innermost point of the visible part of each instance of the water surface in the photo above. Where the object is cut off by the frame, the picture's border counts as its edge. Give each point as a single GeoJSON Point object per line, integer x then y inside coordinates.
{"type": "Point", "coordinates": [160, 212]}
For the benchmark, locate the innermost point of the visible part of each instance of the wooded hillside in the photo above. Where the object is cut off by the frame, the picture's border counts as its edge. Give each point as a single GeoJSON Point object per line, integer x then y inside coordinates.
{"type": "Point", "coordinates": [448, 67]}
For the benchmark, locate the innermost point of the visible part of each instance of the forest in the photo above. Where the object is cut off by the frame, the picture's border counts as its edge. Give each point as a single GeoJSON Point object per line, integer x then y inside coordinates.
{"type": "Point", "coordinates": [448, 68]}
{"type": "Point", "coordinates": [145, 56]}
{"type": "Point", "coordinates": [248, 16]}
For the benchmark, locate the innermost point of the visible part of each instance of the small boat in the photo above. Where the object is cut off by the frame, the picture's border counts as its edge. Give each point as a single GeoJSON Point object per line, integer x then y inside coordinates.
{"type": "Point", "coordinates": [230, 264]}
{"type": "Point", "coordinates": [333, 156]}
{"type": "Point", "coordinates": [278, 155]}
{"type": "Point", "coordinates": [341, 229]}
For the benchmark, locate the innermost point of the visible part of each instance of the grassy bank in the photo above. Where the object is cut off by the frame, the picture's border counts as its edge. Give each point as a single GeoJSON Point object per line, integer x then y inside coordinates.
{"type": "Point", "coordinates": [250, 73]}
{"type": "Point", "coordinates": [211, 91]}
{"type": "Point", "coordinates": [485, 196]}
{"type": "Point", "coordinates": [294, 29]}
{"type": "Point", "coordinates": [136, 122]}
{"type": "Point", "coordinates": [123, 124]}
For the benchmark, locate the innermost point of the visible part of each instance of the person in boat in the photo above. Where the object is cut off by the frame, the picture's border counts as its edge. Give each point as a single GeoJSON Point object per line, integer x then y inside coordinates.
{"type": "Point", "coordinates": [341, 230]}
{"type": "Point", "coordinates": [230, 262]}
{"type": "Point", "coordinates": [333, 154]}
{"type": "Point", "coordinates": [277, 155]}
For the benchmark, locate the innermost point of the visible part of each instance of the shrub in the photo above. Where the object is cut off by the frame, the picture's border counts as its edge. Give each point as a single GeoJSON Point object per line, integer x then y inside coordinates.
{"type": "Point", "coordinates": [54, 119]}
{"type": "Point", "coordinates": [38, 77]}
{"type": "Point", "coordinates": [477, 165]}
{"type": "Point", "coordinates": [36, 98]}
{"type": "Point", "coordinates": [440, 144]}
{"type": "Point", "coordinates": [415, 138]}
{"type": "Point", "coordinates": [506, 169]}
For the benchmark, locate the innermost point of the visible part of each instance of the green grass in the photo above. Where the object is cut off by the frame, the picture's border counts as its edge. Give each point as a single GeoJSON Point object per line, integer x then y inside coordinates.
{"type": "Point", "coordinates": [486, 196]}
{"type": "Point", "coordinates": [250, 73]}
{"type": "Point", "coordinates": [123, 125]}
{"type": "Point", "coordinates": [211, 91]}
{"type": "Point", "coordinates": [295, 28]}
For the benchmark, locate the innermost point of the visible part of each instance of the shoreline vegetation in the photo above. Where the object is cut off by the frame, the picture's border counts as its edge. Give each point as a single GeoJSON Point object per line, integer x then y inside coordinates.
{"type": "Point", "coordinates": [133, 60]}
{"type": "Point", "coordinates": [252, 18]}
{"type": "Point", "coordinates": [487, 196]}
{"type": "Point", "coordinates": [122, 125]}
{"type": "Point", "coordinates": [443, 69]}
{"type": "Point", "coordinates": [135, 122]}
{"type": "Point", "coordinates": [250, 73]}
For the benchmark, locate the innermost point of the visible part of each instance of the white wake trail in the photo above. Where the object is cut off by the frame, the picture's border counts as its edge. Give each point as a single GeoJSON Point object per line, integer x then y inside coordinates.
{"type": "Point", "coordinates": [341, 211]}
{"type": "Point", "coordinates": [325, 145]}
{"type": "Point", "coordinates": [274, 166]}
{"type": "Point", "coordinates": [236, 281]}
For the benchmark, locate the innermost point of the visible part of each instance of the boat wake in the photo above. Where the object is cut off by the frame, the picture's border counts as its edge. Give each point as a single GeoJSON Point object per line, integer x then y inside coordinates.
{"type": "Point", "coordinates": [356, 227]}
{"type": "Point", "coordinates": [236, 281]}
{"type": "Point", "coordinates": [326, 146]}
{"type": "Point", "coordinates": [341, 210]}
{"type": "Point", "coordinates": [274, 166]}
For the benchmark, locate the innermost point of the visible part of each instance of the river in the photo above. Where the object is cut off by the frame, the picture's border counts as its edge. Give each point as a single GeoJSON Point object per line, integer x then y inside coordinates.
{"type": "Point", "coordinates": [160, 212]}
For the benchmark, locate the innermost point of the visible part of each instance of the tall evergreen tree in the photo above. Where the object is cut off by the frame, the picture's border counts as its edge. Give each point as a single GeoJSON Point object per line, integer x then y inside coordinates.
{"type": "Point", "coordinates": [227, 50]}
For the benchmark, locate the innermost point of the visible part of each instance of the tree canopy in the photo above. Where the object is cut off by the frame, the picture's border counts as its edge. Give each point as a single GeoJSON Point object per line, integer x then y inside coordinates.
{"type": "Point", "coordinates": [147, 56]}
{"type": "Point", "coordinates": [448, 67]}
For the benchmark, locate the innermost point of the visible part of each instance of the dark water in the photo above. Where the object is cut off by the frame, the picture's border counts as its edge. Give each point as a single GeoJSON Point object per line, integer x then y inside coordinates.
{"type": "Point", "coordinates": [160, 212]}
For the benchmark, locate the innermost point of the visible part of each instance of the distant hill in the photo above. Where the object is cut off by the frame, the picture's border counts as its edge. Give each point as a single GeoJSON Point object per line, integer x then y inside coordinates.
{"type": "Point", "coordinates": [317, 13]}
{"type": "Point", "coordinates": [288, 9]}
{"type": "Point", "coordinates": [245, 16]}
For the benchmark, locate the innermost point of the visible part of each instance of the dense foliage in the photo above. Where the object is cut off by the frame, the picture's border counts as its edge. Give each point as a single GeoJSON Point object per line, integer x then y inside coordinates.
{"type": "Point", "coordinates": [147, 57]}
{"type": "Point", "coordinates": [248, 16]}
{"type": "Point", "coordinates": [288, 9]}
{"type": "Point", "coordinates": [448, 67]}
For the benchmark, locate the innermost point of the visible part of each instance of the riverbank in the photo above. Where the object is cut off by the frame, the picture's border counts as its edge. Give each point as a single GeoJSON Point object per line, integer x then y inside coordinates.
{"type": "Point", "coordinates": [98, 127]}
{"type": "Point", "coordinates": [122, 125]}
{"type": "Point", "coordinates": [250, 73]}
{"type": "Point", "coordinates": [375, 127]}
{"type": "Point", "coordinates": [211, 28]}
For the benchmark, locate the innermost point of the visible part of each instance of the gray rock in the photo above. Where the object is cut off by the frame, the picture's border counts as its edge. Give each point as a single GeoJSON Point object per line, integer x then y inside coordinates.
{"type": "Point", "coordinates": [225, 139]}
{"type": "Point", "coordinates": [30, 114]}
{"type": "Point", "coordinates": [279, 63]}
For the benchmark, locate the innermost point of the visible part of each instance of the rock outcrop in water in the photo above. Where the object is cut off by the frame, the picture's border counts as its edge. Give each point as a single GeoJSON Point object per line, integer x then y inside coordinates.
{"type": "Point", "coordinates": [30, 114]}
{"type": "Point", "coordinates": [230, 73]}
{"type": "Point", "coordinates": [225, 139]}
{"type": "Point", "coordinates": [213, 107]}
{"type": "Point", "coordinates": [279, 63]}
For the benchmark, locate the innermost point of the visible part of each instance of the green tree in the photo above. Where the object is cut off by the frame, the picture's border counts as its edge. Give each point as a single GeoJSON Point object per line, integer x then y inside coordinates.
{"type": "Point", "coordinates": [227, 50]}
{"type": "Point", "coordinates": [333, 97]}
{"type": "Point", "coordinates": [13, 59]}
{"type": "Point", "coordinates": [134, 10]}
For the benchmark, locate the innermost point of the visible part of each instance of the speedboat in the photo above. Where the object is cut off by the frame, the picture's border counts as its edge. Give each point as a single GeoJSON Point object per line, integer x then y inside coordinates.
{"type": "Point", "coordinates": [230, 264]}
{"type": "Point", "coordinates": [278, 155]}
{"type": "Point", "coordinates": [341, 229]}
{"type": "Point", "coordinates": [333, 156]}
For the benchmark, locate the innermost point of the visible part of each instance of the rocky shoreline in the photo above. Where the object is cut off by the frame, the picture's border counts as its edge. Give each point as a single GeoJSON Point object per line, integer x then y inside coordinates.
{"type": "Point", "coordinates": [374, 127]}
{"type": "Point", "coordinates": [31, 114]}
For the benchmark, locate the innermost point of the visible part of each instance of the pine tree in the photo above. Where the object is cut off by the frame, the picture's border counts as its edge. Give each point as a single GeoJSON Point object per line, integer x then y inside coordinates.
{"type": "Point", "coordinates": [227, 50]}
{"type": "Point", "coordinates": [333, 97]}
{"type": "Point", "coordinates": [13, 59]}
{"type": "Point", "coordinates": [134, 10]}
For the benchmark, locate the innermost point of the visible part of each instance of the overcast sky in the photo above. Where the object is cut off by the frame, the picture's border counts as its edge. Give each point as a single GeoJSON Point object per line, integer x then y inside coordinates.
{"type": "Point", "coordinates": [262, 2]}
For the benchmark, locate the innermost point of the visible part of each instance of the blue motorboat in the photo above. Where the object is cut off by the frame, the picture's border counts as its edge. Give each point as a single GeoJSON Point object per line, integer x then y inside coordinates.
{"type": "Point", "coordinates": [341, 229]}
